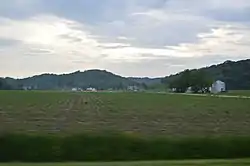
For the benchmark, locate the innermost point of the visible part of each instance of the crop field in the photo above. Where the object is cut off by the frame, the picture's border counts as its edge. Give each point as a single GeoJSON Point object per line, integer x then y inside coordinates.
{"type": "Point", "coordinates": [243, 162]}
{"type": "Point", "coordinates": [142, 113]}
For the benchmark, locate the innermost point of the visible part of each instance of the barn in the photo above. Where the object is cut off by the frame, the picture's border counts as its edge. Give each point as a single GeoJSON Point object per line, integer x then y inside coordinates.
{"type": "Point", "coordinates": [218, 86]}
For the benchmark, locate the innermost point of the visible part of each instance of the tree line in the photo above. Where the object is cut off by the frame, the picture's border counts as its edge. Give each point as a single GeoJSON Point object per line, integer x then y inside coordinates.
{"type": "Point", "coordinates": [198, 81]}
{"type": "Point", "coordinates": [4, 85]}
{"type": "Point", "coordinates": [236, 75]}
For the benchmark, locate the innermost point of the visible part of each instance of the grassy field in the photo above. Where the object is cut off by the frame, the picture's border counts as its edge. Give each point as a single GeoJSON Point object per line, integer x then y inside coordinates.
{"type": "Point", "coordinates": [239, 92]}
{"type": "Point", "coordinates": [146, 114]}
{"type": "Point", "coordinates": [243, 162]}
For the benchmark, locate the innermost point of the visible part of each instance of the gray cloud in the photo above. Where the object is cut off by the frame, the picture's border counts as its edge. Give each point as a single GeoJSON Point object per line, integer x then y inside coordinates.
{"type": "Point", "coordinates": [124, 36]}
{"type": "Point", "coordinates": [239, 15]}
{"type": "Point", "coordinates": [167, 66]}
{"type": "Point", "coordinates": [8, 42]}
{"type": "Point", "coordinates": [71, 38]}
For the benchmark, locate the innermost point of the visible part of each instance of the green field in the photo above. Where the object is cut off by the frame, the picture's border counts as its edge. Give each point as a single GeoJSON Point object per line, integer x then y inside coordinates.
{"type": "Point", "coordinates": [142, 113]}
{"type": "Point", "coordinates": [243, 162]}
{"type": "Point", "coordinates": [39, 126]}
{"type": "Point", "coordinates": [239, 92]}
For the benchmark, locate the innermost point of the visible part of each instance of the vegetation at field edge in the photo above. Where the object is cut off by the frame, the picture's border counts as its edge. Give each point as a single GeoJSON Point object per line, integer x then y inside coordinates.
{"type": "Point", "coordinates": [118, 147]}
{"type": "Point", "coordinates": [239, 162]}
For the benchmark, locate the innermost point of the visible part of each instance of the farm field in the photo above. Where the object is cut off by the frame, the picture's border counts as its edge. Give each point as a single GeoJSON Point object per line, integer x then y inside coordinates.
{"type": "Point", "coordinates": [142, 113]}
{"type": "Point", "coordinates": [239, 92]}
{"type": "Point", "coordinates": [243, 162]}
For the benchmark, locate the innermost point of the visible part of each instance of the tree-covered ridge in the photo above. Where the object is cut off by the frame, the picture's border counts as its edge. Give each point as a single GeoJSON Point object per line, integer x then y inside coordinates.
{"type": "Point", "coordinates": [236, 75]}
{"type": "Point", "coordinates": [146, 80]}
{"type": "Point", "coordinates": [99, 79]}
{"type": "Point", "coordinates": [4, 85]}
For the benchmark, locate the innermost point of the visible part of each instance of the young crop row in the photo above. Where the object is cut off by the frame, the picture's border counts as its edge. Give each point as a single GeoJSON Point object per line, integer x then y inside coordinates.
{"type": "Point", "coordinates": [142, 113]}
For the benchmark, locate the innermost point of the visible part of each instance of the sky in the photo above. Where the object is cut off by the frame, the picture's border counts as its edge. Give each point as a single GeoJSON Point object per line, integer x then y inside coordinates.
{"type": "Point", "coordinates": [128, 37]}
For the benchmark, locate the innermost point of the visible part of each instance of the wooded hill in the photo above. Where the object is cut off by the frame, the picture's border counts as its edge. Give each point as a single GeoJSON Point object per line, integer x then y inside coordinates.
{"type": "Point", "coordinates": [146, 80]}
{"type": "Point", "coordinates": [236, 75]}
{"type": "Point", "coordinates": [99, 79]}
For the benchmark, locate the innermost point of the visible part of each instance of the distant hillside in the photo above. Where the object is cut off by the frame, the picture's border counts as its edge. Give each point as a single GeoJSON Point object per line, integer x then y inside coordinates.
{"type": "Point", "coordinates": [4, 85]}
{"type": "Point", "coordinates": [236, 75]}
{"type": "Point", "coordinates": [146, 80]}
{"type": "Point", "coordinates": [99, 79]}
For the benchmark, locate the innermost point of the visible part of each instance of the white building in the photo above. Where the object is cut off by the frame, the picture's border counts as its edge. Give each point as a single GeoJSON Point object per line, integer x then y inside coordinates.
{"type": "Point", "coordinates": [91, 89]}
{"type": "Point", "coordinates": [27, 88]}
{"type": "Point", "coordinates": [218, 86]}
{"type": "Point", "coordinates": [132, 88]}
{"type": "Point", "coordinates": [74, 89]}
{"type": "Point", "coordinates": [189, 90]}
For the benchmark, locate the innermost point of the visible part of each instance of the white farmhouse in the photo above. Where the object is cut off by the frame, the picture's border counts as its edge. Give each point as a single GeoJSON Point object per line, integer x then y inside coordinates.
{"type": "Point", "coordinates": [90, 89]}
{"type": "Point", "coordinates": [218, 86]}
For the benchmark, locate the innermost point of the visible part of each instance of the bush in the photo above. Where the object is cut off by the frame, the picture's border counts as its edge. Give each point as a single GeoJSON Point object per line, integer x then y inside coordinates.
{"type": "Point", "coordinates": [115, 147]}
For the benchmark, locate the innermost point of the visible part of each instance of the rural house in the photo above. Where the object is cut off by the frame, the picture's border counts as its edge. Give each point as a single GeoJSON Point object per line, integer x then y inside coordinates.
{"type": "Point", "coordinates": [76, 89]}
{"type": "Point", "coordinates": [90, 89]}
{"type": "Point", "coordinates": [218, 86]}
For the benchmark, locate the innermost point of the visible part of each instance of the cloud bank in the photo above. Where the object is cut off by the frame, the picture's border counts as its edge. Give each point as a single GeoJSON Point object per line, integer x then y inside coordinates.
{"type": "Point", "coordinates": [128, 37]}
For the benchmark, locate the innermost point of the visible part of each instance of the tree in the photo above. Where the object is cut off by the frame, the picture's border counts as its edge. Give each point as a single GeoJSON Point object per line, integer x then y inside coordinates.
{"type": "Point", "coordinates": [181, 82]}
{"type": "Point", "coordinates": [120, 86]}
{"type": "Point", "coordinates": [1, 84]}
{"type": "Point", "coordinates": [144, 86]}
{"type": "Point", "coordinates": [236, 75]}
{"type": "Point", "coordinates": [198, 80]}
{"type": "Point", "coordinates": [4, 85]}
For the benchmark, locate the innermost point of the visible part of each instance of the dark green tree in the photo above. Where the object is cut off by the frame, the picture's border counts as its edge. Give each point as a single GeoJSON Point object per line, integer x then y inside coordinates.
{"type": "Point", "coordinates": [4, 85]}
{"type": "Point", "coordinates": [236, 75]}
{"type": "Point", "coordinates": [144, 86]}
{"type": "Point", "coordinates": [181, 82]}
{"type": "Point", "coordinates": [200, 81]}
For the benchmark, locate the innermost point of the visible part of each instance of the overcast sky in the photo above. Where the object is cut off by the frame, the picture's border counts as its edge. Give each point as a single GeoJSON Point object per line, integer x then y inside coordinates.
{"type": "Point", "coordinates": [128, 37]}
